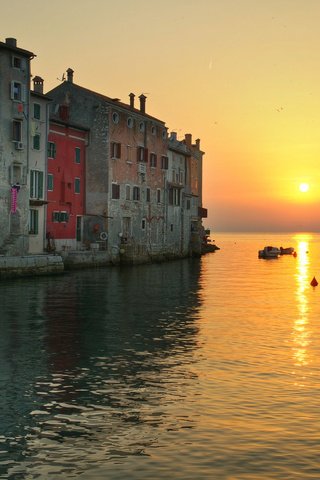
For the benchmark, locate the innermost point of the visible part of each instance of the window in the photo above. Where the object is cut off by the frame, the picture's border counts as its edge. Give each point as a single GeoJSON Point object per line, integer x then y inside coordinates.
{"type": "Point", "coordinates": [77, 153]}
{"type": "Point", "coordinates": [33, 222]}
{"type": "Point", "coordinates": [174, 196]}
{"type": "Point", "coordinates": [158, 195]}
{"type": "Point", "coordinates": [56, 216]}
{"type": "Point", "coordinates": [77, 185]}
{"type": "Point", "coordinates": [16, 62]}
{"type": "Point", "coordinates": [129, 154]}
{"type": "Point", "coordinates": [60, 216]}
{"type": "Point", "coordinates": [153, 130]}
{"type": "Point", "coordinates": [36, 142]}
{"type": "Point", "coordinates": [148, 195]}
{"type": "Point", "coordinates": [141, 126]}
{"type": "Point", "coordinates": [16, 130]}
{"type": "Point", "coordinates": [136, 193]}
{"type": "Point", "coordinates": [164, 134]}
{"type": "Point", "coordinates": [164, 162]}
{"type": "Point", "coordinates": [50, 182]}
{"type": "Point", "coordinates": [36, 111]}
{"type": "Point", "coordinates": [115, 193]}
{"type": "Point", "coordinates": [17, 91]}
{"type": "Point", "coordinates": [143, 224]}
{"type": "Point", "coordinates": [153, 160]}
{"type": "Point", "coordinates": [142, 154]}
{"type": "Point", "coordinates": [63, 216]}
{"type": "Point", "coordinates": [128, 192]}
{"type": "Point", "coordinates": [51, 150]}
{"type": "Point", "coordinates": [130, 122]}
{"type": "Point", "coordinates": [115, 117]}
{"type": "Point", "coordinates": [36, 184]}
{"type": "Point", "coordinates": [188, 205]}
{"type": "Point", "coordinates": [115, 150]}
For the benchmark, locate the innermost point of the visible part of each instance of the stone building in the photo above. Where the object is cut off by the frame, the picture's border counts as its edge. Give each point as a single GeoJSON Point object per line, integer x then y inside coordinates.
{"type": "Point", "coordinates": [14, 147]}
{"type": "Point", "coordinates": [184, 196]}
{"type": "Point", "coordinates": [126, 170]}
{"type": "Point", "coordinates": [37, 169]}
{"type": "Point", "coordinates": [109, 178]}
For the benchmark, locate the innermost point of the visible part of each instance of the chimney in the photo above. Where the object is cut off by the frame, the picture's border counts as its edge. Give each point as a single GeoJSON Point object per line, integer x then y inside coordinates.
{"type": "Point", "coordinates": [188, 140]}
{"type": "Point", "coordinates": [131, 95]}
{"type": "Point", "coordinates": [142, 103]}
{"type": "Point", "coordinates": [198, 144]}
{"type": "Point", "coordinates": [11, 42]}
{"type": "Point", "coordinates": [173, 136]}
{"type": "Point", "coordinates": [38, 84]}
{"type": "Point", "coordinates": [70, 75]}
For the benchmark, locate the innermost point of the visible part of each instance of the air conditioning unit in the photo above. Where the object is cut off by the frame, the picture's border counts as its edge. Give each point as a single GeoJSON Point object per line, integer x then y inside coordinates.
{"type": "Point", "coordinates": [19, 146]}
{"type": "Point", "coordinates": [142, 168]}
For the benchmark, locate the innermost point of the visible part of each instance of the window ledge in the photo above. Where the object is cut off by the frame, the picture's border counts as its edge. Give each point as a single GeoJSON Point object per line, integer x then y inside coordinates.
{"type": "Point", "coordinates": [37, 203]}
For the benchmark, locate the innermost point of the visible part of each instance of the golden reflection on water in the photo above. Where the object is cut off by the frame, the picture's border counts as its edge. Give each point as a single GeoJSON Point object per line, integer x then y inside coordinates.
{"type": "Point", "coordinates": [301, 332]}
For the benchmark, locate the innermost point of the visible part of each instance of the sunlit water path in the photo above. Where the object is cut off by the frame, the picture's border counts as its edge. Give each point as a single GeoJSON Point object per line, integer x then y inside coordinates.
{"type": "Point", "coordinates": [195, 369]}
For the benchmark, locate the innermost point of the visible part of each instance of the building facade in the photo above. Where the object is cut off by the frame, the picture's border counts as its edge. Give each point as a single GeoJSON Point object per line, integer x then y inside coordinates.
{"type": "Point", "coordinates": [83, 171]}
{"type": "Point", "coordinates": [37, 171]}
{"type": "Point", "coordinates": [184, 196]}
{"type": "Point", "coordinates": [14, 147]}
{"type": "Point", "coordinates": [126, 170]}
{"type": "Point", "coordinates": [66, 186]}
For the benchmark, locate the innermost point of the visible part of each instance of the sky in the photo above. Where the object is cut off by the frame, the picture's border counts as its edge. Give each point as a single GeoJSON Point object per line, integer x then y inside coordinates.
{"type": "Point", "coordinates": [243, 76]}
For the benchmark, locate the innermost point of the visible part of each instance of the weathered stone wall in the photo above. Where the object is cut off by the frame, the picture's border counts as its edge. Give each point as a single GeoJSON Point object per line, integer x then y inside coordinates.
{"type": "Point", "coordinates": [13, 161]}
{"type": "Point", "coordinates": [30, 265]}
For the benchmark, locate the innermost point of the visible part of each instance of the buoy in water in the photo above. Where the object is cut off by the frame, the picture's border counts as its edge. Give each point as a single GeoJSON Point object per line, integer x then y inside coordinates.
{"type": "Point", "coordinates": [314, 282]}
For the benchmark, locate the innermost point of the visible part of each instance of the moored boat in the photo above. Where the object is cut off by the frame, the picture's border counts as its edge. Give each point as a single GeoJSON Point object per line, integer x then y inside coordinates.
{"type": "Point", "coordinates": [286, 251]}
{"type": "Point", "coordinates": [269, 252]}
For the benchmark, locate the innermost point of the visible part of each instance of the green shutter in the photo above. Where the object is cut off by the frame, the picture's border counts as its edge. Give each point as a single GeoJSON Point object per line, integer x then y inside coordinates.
{"type": "Point", "coordinates": [36, 221]}
{"type": "Point", "coordinates": [40, 186]}
{"type": "Point", "coordinates": [77, 151]}
{"type": "Point", "coordinates": [32, 184]}
{"type": "Point", "coordinates": [50, 181]}
{"type": "Point", "coordinates": [36, 142]}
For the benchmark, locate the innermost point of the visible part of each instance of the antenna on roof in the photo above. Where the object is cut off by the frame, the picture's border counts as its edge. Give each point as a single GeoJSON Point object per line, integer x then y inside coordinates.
{"type": "Point", "coordinates": [62, 79]}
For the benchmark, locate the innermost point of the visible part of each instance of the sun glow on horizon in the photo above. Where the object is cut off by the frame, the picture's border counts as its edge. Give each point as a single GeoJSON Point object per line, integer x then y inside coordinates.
{"type": "Point", "coordinates": [304, 187]}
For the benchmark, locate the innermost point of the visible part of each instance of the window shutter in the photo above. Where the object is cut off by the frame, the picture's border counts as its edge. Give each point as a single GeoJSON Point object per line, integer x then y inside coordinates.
{"type": "Point", "coordinates": [118, 150]}
{"type": "Point", "coordinates": [171, 196]}
{"type": "Point", "coordinates": [32, 183]}
{"type": "Point", "coordinates": [23, 93]}
{"type": "Point", "coordinates": [36, 222]}
{"type": "Point", "coordinates": [40, 189]}
{"type": "Point", "coordinates": [12, 90]}
{"type": "Point", "coordinates": [146, 155]}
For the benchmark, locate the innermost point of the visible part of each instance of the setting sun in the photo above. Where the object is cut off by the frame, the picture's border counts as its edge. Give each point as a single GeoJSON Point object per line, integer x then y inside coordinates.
{"type": "Point", "coordinates": [304, 187]}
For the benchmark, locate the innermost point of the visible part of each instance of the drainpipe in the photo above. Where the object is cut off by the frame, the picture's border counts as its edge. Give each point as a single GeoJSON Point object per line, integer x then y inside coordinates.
{"type": "Point", "coordinates": [26, 233]}
{"type": "Point", "coordinates": [46, 177]}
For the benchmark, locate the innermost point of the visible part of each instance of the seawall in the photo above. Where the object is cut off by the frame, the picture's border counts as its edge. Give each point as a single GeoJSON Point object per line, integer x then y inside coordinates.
{"type": "Point", "coordinates": [30, 265]}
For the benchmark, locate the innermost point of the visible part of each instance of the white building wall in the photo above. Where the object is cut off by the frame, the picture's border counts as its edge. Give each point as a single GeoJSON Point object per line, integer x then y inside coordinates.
{"type": "Point", "coordinates": [38, 134]}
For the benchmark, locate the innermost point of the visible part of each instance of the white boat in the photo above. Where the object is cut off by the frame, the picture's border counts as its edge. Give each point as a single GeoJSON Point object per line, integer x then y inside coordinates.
{"type": "Point", "coordinates": [269, 252]}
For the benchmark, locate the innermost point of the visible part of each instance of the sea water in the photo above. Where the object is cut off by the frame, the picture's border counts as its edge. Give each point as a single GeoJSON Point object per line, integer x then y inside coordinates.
{"type": "Point", "coordinates": [194, 369]}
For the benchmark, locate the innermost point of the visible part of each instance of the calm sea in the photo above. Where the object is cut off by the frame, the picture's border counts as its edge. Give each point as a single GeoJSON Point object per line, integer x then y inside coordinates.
{"type": "Point", "coordinates": [195, 369]}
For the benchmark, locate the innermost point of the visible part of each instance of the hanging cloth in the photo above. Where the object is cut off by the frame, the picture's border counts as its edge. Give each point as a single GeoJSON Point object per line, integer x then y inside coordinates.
{"type": "Point", "coordinates": [13, 200]}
